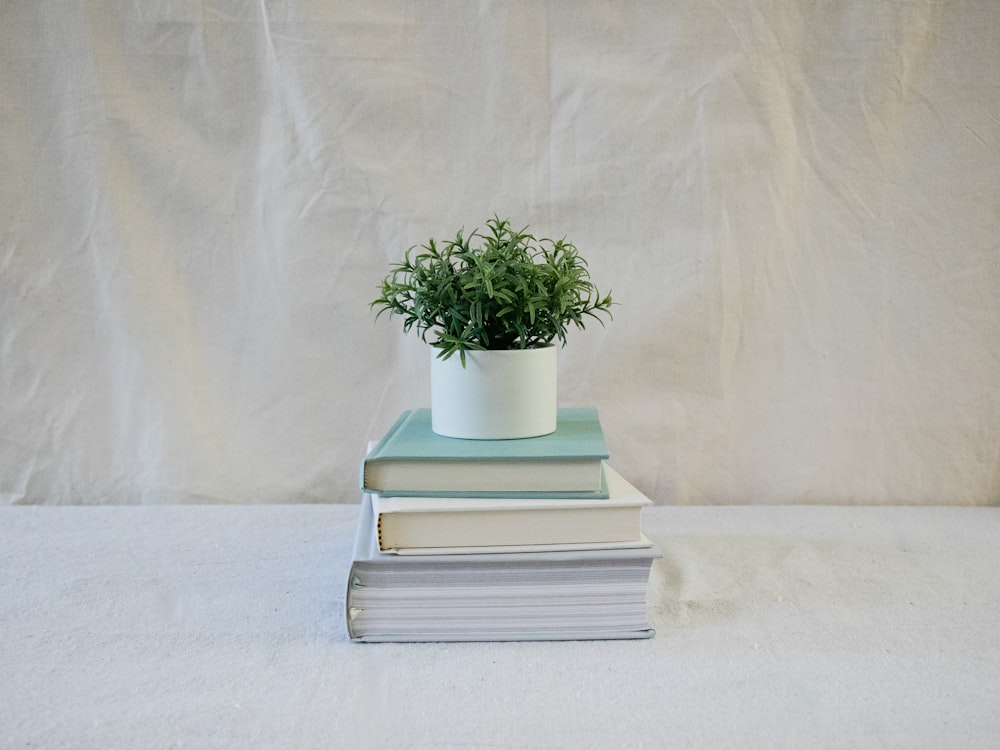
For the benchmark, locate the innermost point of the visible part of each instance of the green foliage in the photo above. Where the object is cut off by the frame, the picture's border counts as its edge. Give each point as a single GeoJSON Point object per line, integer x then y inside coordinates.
{"type": "Point", "coordinates": [503, 289]}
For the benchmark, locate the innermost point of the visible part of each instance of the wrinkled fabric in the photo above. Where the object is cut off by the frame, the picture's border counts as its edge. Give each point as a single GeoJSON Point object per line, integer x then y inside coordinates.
{"type": "Point", "coordinates": [795, 204]}
{"type": "Point", "coordinates": [225, 627]}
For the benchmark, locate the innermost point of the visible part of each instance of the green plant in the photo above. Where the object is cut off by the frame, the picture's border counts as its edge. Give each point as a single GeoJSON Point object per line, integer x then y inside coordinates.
{"type": "Point", "coordinates": [503, 289]}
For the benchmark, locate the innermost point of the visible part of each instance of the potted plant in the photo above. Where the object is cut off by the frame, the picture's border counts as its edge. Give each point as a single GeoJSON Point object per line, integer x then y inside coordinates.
{"type": "Point", "coordinates": [501, 300]}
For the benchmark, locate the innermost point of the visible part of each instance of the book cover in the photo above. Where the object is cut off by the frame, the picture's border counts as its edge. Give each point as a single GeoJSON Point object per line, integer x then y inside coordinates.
{"type": "Point", "coordinates": [411, 459]}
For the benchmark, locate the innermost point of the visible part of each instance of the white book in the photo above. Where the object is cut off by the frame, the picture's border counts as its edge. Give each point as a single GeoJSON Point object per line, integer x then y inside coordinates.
{"type": "Point", "coordinates": [455, 525]}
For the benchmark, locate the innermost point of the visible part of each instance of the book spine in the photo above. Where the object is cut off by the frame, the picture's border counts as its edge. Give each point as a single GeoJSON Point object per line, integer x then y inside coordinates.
{"type": "Point", "coordinates": [373, 450]}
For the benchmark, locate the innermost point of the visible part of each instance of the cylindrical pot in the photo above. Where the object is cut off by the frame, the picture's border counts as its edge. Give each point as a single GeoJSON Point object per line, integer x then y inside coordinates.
{"type": "Point", "coordinates": [499, 394]}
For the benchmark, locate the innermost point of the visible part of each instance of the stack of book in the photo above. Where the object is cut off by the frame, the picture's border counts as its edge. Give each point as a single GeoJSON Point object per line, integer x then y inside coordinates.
{"type": "Point", "coordinates": [479, 540]}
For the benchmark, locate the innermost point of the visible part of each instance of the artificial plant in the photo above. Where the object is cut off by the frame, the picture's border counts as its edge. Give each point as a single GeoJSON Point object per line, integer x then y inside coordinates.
{"type": "Point", "coordinates": [499, 289]}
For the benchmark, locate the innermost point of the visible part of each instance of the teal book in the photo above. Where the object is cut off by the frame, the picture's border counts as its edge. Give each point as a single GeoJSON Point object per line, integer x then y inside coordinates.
{"type": "Point", "coordinates": [411, 459]}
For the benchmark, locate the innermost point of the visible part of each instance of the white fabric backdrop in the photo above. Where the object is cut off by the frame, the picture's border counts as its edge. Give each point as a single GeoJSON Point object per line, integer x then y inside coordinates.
{"type": "Point", "coordinates": [797, 205]}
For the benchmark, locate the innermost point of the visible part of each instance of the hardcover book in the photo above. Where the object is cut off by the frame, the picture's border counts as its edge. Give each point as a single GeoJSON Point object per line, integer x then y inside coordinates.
{"type": "Point", "coordinates": [411, 459]}
{"type": "Point", "coordinates": [426, 525]}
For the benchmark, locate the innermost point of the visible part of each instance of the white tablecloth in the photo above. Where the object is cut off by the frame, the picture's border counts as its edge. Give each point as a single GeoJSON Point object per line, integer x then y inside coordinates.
{"type": "Point", "coordinates": [222, 626]}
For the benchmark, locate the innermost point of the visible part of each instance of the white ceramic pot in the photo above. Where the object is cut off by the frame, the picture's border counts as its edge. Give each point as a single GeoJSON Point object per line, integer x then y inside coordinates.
{"type": "Point", "coordinates": [498, 395]}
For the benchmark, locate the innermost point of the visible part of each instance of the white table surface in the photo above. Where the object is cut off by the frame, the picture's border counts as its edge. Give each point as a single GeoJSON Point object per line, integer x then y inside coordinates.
{"type": "Point", "coordinates": [222, 626]}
